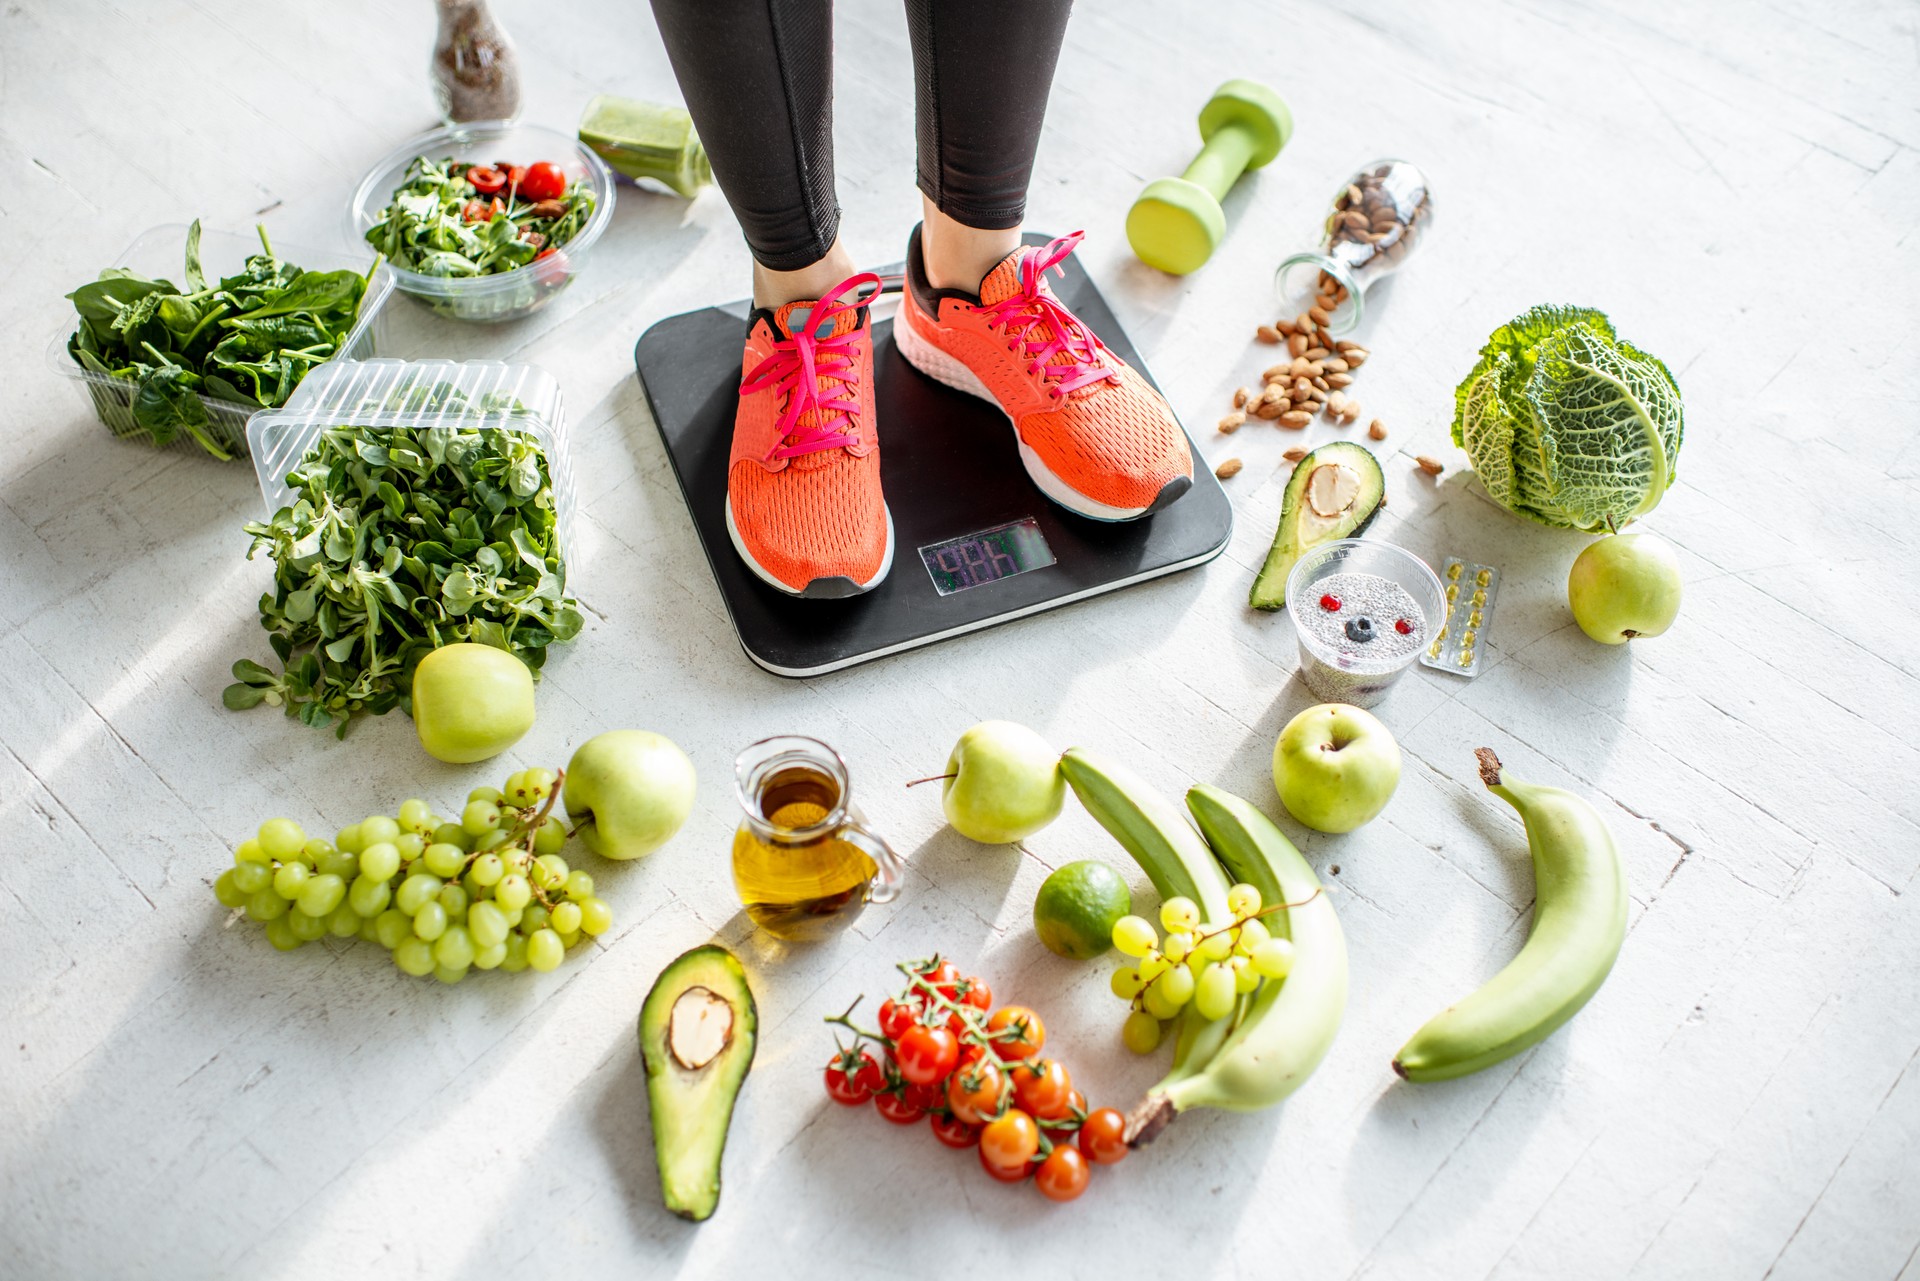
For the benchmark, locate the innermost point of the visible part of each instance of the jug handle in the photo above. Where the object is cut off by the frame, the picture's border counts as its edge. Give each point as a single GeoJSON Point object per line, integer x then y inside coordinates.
{"type": "Point", "coordinates": [892, 868]}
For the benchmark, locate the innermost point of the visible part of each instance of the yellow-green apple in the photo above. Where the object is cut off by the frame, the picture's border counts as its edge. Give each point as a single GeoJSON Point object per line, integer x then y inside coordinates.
{"type": "Point", "coordinates": [1335, 767]}
{"type": "Point", "coordinates": [471, 702]}
{"type": "Point", "coordinates": [1625, 586]}
{"type": "Point", "coordinates": [1003, 783]}
{"type": "Point", "coordinates": [629, 790]}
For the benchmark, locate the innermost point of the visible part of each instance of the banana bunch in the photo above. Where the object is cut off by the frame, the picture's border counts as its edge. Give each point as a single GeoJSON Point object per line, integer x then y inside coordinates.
{"type": "Point", "coordinates": [1579, 921]}
{"type": "Point", "coordinates": [1274, 1038]}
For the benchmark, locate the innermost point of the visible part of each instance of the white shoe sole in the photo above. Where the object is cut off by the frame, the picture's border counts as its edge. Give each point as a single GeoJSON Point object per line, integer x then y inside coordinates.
{"type": "Point", "coordinates": [943, 368]}
{"type": "Point", "coordinates": [819, 588]}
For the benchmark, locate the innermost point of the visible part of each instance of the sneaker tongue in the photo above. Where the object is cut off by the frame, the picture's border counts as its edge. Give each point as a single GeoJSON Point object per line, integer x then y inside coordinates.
{"type": "Point", "coordinates": [789, 317]}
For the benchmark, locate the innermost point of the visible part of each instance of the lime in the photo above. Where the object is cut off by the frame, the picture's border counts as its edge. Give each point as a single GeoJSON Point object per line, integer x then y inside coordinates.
{"type": "Point", "coordinates": [1075, 911]}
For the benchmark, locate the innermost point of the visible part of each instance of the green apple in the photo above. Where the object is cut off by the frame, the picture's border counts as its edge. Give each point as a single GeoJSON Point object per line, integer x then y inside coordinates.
{"type": "Point", "coordinates": [628, 791]}
{"type": "Point", "coordinates": [1003, 783]}
{"type": "Point", "coordinates": [1625, 586]}
{"type": "Point", "coordinates": [471, 702]}
{"type": "Point", "coordinates": [1335, 767]}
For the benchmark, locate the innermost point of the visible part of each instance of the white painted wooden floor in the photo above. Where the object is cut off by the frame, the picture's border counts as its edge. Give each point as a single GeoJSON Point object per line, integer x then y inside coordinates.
{"type": "Point", "coordinates": [1737, 184]}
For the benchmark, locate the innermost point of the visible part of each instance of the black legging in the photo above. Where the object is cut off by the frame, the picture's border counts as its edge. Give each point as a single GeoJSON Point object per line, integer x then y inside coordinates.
{"type": "Point", "coordinates": [758, 79]}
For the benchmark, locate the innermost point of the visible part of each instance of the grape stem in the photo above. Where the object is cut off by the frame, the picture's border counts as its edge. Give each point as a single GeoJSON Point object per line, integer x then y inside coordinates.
{"type": "Point", "coordinates": [521, 838]}
{"type": "Point", "coordinates": [1139, 1001]}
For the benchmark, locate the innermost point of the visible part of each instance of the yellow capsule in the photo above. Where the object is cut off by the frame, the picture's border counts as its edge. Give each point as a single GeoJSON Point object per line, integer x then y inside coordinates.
{"type": "Point", "coordinates": [1453, 570]}
{"type": "Point", "coordinates": [1484, 577]}
{"type": "Point", "coordinates": [1466, 638]}
{"type": "Point", "coordinates": [1480, 598]}
{"type": "Point", "coordinates": [1466, 658]}
{"type": "Point", "coordinates": [1453, 592]}
{"type": "Point", "coordinates": [1473, 619]}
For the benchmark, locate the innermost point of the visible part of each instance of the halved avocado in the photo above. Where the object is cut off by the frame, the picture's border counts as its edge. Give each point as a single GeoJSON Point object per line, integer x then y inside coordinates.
{"type": "Point", "coordinates": [1336, 491]}
{"type": "Point", "coordinates": [697, 1033]}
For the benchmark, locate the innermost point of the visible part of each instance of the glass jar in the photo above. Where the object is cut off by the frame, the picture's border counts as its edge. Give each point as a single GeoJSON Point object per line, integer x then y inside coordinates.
{"type": "Point", "coordinates": [475, 71]}
{"type": "Point", "coordinates": [1378, 218]}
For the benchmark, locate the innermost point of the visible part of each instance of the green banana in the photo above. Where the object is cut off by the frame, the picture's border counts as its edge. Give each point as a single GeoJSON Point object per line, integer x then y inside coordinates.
{"type": "Point", "coordinates": [1172, 855]}
{"type": "Point", "coordinates": [1287, 1026]}
{"type": "Point", "coordinates": [1579, 920]}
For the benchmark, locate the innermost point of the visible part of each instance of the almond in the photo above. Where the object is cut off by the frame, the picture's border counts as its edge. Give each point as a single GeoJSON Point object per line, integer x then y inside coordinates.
{"type": "Point", "coordinates": [1266, 409]}
{"type": "Point", "coordinates": [1295, 454]}
{"type": "Point", "coordinates": [1431, 466]}
{"type": "Point", "coordinates": [1297, 343]}
{"type": "Point", "coordinates": [1319, 317]}
{"type": "Point", "coordinates": [1335, 365]}
{"type": "Point", "coordinates": [1267, 334]}
{"type": "Point", "coordinates": [1317, 353]}
{"type": "Point", "coordinates": [1351, 412]}
{"type": "Point", "coordinates": [1339, 380]}
{"type": "Point", "coordinates": [1272, 372]}
{"type": "Point", "coordinates": [1377, 429]}
{"type": "Point", "coordinates": [1295, 418]}
{"type": "Point", "coordinates": [1240, 397]}
{"type": "Point", "coordinates": [1231, 423]}
{"type": "Point", "coordinates": [1228, 469]}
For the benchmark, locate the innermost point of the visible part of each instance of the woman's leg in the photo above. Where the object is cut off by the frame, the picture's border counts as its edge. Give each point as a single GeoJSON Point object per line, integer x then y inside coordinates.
{"type": "Point", "coordinates": [758, 80]}
{"type": "Point", "coordinates": [982, 70]}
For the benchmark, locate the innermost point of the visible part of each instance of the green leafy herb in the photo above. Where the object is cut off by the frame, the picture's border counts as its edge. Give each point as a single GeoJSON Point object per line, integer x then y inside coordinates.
{"type": "Point", "coordinates": [401, 540]}
{"type": "Point", "coordinates": [1568, 424]}
{"type": "Point", "coordinates": [249, 339]}
{"type": "Point", "coordinates": [439, 224]}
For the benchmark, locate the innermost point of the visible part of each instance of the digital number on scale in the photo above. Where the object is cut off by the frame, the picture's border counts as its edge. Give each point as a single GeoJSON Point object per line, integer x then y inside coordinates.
{"type": "Point", "coordinates": [987, 557]}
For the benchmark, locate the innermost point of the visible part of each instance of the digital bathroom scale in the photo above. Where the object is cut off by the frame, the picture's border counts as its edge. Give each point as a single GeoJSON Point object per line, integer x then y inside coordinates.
{"type": "Point", "coordinates": [975, 542]}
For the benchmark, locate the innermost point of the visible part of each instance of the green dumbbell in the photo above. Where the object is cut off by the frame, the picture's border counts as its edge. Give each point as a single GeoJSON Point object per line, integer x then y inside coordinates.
{"type": "Point", "coordinates": [1177, 223]}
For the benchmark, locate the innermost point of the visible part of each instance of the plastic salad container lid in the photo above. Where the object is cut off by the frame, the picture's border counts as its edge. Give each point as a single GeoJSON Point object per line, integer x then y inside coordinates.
{"type": "Point", "coordinates": [506, 295]}
{"type": "Point", "coordinates": [159, 253]}
{"type": "Point", "coordinates": [483, 395]}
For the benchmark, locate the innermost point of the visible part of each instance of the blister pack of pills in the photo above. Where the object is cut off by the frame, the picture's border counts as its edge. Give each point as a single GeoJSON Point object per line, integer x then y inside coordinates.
{"type": "Point", "coordinates": [1470, 590]}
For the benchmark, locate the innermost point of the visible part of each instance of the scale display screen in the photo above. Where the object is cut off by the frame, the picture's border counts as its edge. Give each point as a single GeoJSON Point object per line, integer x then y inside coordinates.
{"type": "Point", "coordinates": [986, 557]}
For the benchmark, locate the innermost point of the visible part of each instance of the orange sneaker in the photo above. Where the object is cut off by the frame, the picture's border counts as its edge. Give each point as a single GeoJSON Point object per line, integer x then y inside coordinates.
{"type": "Point", "coordinates": [804, 506]}
{"type": "Point", "coordinates": [1094, 435]}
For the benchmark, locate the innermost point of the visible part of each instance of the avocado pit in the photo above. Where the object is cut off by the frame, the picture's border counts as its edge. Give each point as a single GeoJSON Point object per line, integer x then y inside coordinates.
{"type": "Point", "coordinates": [699, 1027]}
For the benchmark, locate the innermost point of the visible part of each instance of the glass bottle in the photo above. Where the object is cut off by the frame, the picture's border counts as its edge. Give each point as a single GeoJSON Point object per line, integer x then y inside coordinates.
{"type": "Point", "coordinates": [805, 862]}
{"type": "Point", "coordinates": [1378, 218]}
{"type": "Point", "coordinates": [475, 70]}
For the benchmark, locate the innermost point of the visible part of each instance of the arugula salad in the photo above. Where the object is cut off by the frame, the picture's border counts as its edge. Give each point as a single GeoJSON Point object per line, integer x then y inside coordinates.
{"type": "Point", "coordinates": [247, 339]}
{"type": "Point", "coordinates": [452, 219]}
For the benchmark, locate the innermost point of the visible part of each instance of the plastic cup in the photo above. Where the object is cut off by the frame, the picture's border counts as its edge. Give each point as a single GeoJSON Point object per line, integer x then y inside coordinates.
{"type": "Point", "coordinates": [1350, 672]}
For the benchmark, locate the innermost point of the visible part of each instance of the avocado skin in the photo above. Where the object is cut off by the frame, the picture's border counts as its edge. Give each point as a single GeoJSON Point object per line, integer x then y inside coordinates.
{"type": "Point", "coordinates": [1270, 586]}
{"type": "Point", "coordinates": [692, 1110]}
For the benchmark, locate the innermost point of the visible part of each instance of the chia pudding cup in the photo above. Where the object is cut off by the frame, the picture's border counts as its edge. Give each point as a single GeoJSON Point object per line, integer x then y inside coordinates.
{"type": "Point", "coordinates": [1342, 670]}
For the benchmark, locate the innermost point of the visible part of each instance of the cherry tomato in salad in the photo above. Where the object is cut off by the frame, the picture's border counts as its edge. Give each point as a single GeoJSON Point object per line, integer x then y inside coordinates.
{"type": "Point", "coordinates": [851, 1077]}
{"type": "Point", "coordinates": [974, 1092]}
{"type": "Point", "coordinates": [927, 1054]}
{"type": "Point", "coordinates": [896, 1109]}
{"type": "Point", "coordinates": [1027, 1032]}
{"type": "Point", "coordinates": [898, 1016]}
{"type": "Point", "coordinates": [953, 1132]}
{"type": "Point", "coordinates": [1103, 1136]}
{"type": "Point", "coordinates": [476, 211]}
{"type": "Point", "coordinates": [543, 181]}
{"type": "Point", "coordinates": [1005, 1173]}
{"type": "Point", "coordinates": [486, 180]}
{"type": "Point", "coordinates": [1063, 1175]}
{"type": "Point", "coordinates": [1043, 1088]}
{"type": "Point", "coordinates": [1010, 1140]}
{"type": "Point", "coordinates": [516, 174]}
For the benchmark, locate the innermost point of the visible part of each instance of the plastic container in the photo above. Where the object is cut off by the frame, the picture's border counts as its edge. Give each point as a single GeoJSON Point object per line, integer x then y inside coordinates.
{"type": "Point", "coordinates": [1343, 670]}
{"type": "Point", "coordinates": [483, 394]}
{"type": "Point", "coordinates": [1380, 214]}
{"type": "Point", "coordinates": [160, 253]}
{"type": "Point", "coordinates": [507, 295]}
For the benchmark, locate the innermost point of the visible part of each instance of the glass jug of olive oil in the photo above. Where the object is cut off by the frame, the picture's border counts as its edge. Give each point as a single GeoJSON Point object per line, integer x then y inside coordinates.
{"type": "Point", "coordinates": [805, 862]}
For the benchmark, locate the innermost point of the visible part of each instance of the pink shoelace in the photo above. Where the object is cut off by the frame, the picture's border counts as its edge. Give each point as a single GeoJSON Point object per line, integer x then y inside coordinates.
{"type": "Point", "coordinates": [793, 370]}
{"type": "Point", "coordinates": [1046, 329]}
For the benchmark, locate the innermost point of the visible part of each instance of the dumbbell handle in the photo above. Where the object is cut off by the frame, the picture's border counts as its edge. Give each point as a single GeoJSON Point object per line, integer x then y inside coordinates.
{"type": "Point", "coordinates": [1221, 161]}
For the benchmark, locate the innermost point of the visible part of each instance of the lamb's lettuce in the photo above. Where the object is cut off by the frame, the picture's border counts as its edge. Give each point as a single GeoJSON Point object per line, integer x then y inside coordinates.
{"type": "Point", "coordinates": [1567, 424]}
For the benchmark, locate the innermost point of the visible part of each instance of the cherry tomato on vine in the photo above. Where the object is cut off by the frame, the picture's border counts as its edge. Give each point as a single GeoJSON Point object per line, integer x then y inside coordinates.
{"type": "Point", "coordinates": [852, 1077]}
{"type": "Point", "coordinates": [1010, 1140]}
{"type": "Point", "coordinates": [1063, 1175]}
{"type": "Point", "coordinates": [896, 1109]}
{"type": "Point", "coordinates": [1029, 1032]}
{"type": "Point", "coordinates": [1077, 1104]}
{"type": "Point", "coordinates": [975, 992]}
{"type": "Point", "coordinates": [1043, 1088]}
{"type": "Point", "coordinates": [971, 1052]}
{"type": "Point", "coordinates": [486, 179]}
{"type": "Point", "coordinates": [974, 1092]}
{"type": "Point", "coordinates": [924, 1097]}
{"type": "Point", "coordinates": [897, 1016]}
{"type": "Point", "coordinates": [927, 1054]}
{"type": "Point", "coordinates": [543, 181]}
{"type": "Point", "coordinates": [953, 1132]}
{"type": "Point", "coordinates": [1103, 1136]}
{"type": "Point", "coordinates": [944, 977]}
{"type": "Point", "coordinates": [1005, 1173]}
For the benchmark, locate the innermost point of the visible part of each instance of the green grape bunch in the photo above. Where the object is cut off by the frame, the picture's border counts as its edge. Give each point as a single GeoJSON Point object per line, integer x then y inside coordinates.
{"type": "Point", "coordinates": [486, 891]}
{"type": "Point", "coordinates": [1206, 966]}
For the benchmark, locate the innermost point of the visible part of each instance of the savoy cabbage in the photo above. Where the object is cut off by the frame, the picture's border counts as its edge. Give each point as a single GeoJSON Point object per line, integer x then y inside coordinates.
{"type": "Point", "coordinates": [1567, 424]}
